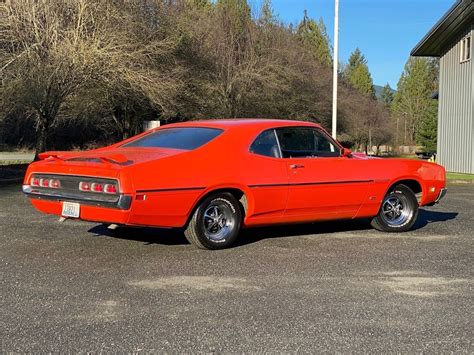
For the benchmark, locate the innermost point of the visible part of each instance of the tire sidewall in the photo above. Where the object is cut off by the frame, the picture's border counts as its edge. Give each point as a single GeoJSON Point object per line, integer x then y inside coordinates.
{"type": "Point", "coordinates": [411, 199]}
{"type": "Point", "coordinates": [233, 204]}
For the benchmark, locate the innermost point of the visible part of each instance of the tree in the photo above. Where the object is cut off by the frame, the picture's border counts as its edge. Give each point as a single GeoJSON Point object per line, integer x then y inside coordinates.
{"type": "Point", "coordinates": [45, 57]}
{"type": "Point", "coordinates": [315, 38]}
{"type": "Point", "coordinates": [386, 96]}
{"type": "Point", "coordinates": [230, 58]}
{"type": "Point", "coordinates": [53, 50]}
{"type": "Point", "coordinates": [358, 74]}
{"type": "Point", "coordinates": [103, 66]}
{"type": "Point", "coordinates": [144, 78]}
{"type": "Point", "coordinates": [412, 100]}
{"type": "Point", "coordinates": [355, 60]}
{"type": "Point", "coordinates": [426, 134]}
{"type": "Point", "coordinates": [267, 16]}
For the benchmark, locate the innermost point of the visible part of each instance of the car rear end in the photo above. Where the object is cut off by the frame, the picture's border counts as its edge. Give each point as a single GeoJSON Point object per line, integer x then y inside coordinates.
{"type": "Point", "coordinates": [92, 190]}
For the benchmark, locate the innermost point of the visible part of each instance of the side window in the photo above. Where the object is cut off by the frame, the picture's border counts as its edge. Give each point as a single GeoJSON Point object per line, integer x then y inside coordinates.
{"type": "Point", "coordinates": [305, 142]}
{"type": "Point", "coordinates": [324, 146]}
{"type": "Point", "coordinates": [266, 144]}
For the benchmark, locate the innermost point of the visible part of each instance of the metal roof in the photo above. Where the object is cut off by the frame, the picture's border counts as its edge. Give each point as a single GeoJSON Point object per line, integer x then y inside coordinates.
{"type": "Point", "coordinates": [460, 15]}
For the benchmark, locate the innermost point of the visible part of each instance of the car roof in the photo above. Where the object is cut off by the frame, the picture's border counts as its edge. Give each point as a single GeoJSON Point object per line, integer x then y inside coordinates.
{"type": "Point", "coordinates": [232, 123]}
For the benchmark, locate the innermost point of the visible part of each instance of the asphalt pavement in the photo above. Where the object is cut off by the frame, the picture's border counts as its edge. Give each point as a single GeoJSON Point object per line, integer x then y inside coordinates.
{"type": "Point", "coordinates": [336, 287]}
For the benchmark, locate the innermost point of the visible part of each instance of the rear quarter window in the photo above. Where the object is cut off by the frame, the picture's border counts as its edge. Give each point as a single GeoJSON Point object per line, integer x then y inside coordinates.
{"type": "Point", "coordinates": [185, 138]}
{"type": "Point", "coordinates": [266, 144]}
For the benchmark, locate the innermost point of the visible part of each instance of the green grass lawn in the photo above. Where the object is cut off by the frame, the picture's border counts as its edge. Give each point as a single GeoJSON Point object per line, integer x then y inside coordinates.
{"type": "Point", "coordinates": [457, 176]}
{"type": "Point", "coordinates": [18, 157]}
{"type": "Point", "coordinates": [14, 162]}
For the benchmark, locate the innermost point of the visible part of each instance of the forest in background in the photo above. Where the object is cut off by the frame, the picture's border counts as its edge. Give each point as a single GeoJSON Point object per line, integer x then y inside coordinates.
{"type": "Point", "coordinates": [81, 73]}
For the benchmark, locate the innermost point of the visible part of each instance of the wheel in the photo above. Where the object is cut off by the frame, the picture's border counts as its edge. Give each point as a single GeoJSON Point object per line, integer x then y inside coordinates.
{"type": "Point", "coordinates": [215, 223]}
{"type": "Point", "coordinates": [398, 212]}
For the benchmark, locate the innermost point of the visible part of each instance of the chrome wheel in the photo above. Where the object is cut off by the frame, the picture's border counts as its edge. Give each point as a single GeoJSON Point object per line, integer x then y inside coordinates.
{"type": "Point", "coordinates": [219, 221]}
{"type": "Point", "coordinates": [396, 210]}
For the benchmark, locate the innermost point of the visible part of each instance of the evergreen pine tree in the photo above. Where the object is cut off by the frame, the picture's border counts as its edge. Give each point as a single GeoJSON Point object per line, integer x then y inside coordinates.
{"type": "Point", "coordinates": [412, 101]}
{"type": "Point", "coordinates": [356, 59]}
{"type": "Point", "coordinates": [386, 95]}
{"type": "Point", "coordinates": [426, 135]}
{"type": "Point", "coordinates": [358, 74]}
{"type": "Point", "coordinates": [314, 36]}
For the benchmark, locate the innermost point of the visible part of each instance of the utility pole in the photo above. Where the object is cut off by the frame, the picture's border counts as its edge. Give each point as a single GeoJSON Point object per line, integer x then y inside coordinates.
{"type": "Point", "coordinates": [335, 74]}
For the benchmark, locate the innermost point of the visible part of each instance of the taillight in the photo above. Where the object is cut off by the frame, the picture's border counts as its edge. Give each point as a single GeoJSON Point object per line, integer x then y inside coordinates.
{"type": "Point", "coordinates": [84, 186]}
{"type": "Point", "coordinates": [110, 189]}
{"type": "Point", "coordinates": [54, 183]}
{"type": "Point", "coordinates": [34, 181]}
{"type": "Point", "coordinates": [44, 182]}
{"type": "Point", "coordinates": [98, 187]}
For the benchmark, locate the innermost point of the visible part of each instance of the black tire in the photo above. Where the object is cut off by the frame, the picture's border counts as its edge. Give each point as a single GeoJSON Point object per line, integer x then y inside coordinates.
{"type": "Point", "coordinates": [215, 223]}
{"type": "Point", "coordinates": [398, 212]}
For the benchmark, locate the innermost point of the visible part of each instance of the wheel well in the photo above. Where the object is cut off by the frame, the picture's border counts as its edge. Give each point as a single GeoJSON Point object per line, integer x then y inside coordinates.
{"type": "Point", "coordinates": [238, 194]}
{"type": "Point", "coordinates": [413, 185]}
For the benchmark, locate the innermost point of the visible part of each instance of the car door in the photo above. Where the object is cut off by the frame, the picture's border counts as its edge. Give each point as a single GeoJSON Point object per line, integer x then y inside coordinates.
{"type": "Point", "coordinates": [323, 184]}
{"type": "Point", "coordinates": [267, 178]}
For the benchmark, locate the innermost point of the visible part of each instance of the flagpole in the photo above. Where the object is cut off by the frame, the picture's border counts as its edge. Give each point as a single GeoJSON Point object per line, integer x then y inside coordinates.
{"type": "Point", "coordinates": [335, 64]}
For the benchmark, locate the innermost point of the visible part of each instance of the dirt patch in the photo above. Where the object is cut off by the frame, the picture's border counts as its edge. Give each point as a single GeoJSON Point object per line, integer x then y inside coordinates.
{"type": "Point", "coordinates": [378, 235]}
{"type": "Point", "coordinates": [196, 283]}
{"type": "Point", "coordinates": [414, 284]}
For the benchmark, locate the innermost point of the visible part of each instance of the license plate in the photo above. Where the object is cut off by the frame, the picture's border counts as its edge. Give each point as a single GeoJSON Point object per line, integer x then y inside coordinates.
{"type": "Point", "coordinates": [71, 209]}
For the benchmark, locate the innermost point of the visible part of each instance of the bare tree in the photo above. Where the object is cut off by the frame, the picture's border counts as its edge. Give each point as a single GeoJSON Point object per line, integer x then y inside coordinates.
{"type": "Point", "coordinates": [109, 64]}
{"type": "Point", "coordinates": [51, 50]}
{"type": "Point", "coordinates": [44, 56]}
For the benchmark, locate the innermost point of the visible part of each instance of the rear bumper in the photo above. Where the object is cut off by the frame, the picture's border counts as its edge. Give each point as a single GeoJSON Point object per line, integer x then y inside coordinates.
{"type": "Point", "coordinates": [117, 211]}
{"type": "Point", "coordinates": [87, 212]}
{"type": "Point", "coordinates": [122, 202]}
{"type": "Point", "coordinates": [442, 193]}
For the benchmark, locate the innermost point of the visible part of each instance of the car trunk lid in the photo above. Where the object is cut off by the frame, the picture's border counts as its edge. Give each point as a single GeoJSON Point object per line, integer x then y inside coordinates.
{"type": "Point", "coordinates": [112, 158]}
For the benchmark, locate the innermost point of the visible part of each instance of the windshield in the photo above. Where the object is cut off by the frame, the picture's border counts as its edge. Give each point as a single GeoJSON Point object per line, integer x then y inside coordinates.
{"type": "Point", "coordinates": [185, 138]}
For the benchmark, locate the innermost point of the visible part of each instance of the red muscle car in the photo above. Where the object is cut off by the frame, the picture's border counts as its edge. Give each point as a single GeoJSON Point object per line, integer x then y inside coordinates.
{"type": "Point", "coordinates": [212, 178]}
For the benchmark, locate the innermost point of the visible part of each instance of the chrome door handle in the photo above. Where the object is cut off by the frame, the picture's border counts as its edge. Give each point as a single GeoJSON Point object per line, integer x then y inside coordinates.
{"type": "Point", "coordinates": [296, 166]}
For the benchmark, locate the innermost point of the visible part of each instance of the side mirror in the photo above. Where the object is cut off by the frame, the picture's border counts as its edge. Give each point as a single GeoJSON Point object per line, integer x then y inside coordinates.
{"type": "Point", "coordinates": [345, 152]}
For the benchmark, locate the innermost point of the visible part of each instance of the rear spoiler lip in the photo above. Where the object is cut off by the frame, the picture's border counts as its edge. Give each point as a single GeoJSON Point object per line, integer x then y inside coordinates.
{"type": "Point", "coordinates": [69, 156]}
{"type": "Point", "coordinates": [54, 155]}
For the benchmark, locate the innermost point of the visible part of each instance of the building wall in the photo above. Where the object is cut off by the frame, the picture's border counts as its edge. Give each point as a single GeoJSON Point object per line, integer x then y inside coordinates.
{"type": "Point", "coordinates": [456, 110]}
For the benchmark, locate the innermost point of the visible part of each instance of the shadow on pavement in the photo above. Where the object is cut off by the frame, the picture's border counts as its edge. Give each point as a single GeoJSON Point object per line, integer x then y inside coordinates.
{"type": "Point", "coordinates": [248, 236]}
{"type": "Point", "coordinates": [426, 216]}
{"type": "Point", "coordinates": [142, 234]}
{"type": "Point", "coordinates": [253, 235]}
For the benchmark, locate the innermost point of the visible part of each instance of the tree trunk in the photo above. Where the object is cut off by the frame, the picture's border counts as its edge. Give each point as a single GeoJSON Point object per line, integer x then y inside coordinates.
{"type": "Point", "coordinates": [42, 132]}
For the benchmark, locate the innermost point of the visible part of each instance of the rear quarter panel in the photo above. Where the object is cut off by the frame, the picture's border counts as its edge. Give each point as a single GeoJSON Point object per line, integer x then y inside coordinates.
{"type": "Point", "coordinates": [174, 185]}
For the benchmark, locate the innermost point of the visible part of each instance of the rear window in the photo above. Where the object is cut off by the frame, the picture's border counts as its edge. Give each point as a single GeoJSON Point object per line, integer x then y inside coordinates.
{"type": "Point", "coordinates": [188, 138]}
